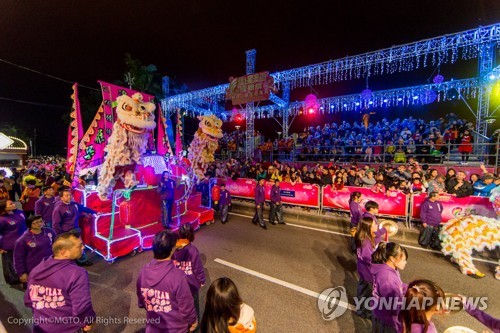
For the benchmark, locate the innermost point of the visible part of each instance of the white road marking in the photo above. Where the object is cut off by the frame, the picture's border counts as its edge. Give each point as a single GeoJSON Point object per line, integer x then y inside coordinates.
{"type": "Point", "coordinates": [348, 235]}
{"type": "Point", "coordinates": [281, 283]}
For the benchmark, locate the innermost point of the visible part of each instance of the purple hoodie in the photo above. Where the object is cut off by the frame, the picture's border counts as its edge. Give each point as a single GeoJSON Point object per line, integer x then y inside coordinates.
{"type": "Point", "coordinates": [187, 259]}
{"type": "Point", "coordinates": [31, 249]}
{"type": "Point", "coordinates": [260, 197]}
{"type": "Point", "coordinates": [387, 284]}
{"type": "Point", "coordinates": [419, 328]}
{"type": "Point", "coordinates": [225, 198]}
{"type": "Point", "coordinates": [275, 194]}
{"type": "Point", "coordinates": [484, 318]}
{"type": "Point", "coordinates": [356, 212]}
{"type": "Point", "coordinates": [163, 290]}
{"type": "Point", "coordinates": [364, 254]}
{"type": "Point", "coordinates": [64, 217]}
{"type": "Point", "coordinates": [11, 228]}
{"type": "Point", "coordinates": [44, 207]}
{"type": "Point", "coordinates": [430, 212]}
{"type": "Point", "coordinates": [366, 214]}
{"type": "Point", "coordinates": [58, 288]}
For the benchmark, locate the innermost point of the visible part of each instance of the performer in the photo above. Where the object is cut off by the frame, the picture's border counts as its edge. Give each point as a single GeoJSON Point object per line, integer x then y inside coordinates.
{"type": "Point", "coordinates": [12, 225]}
{"type": "Point", "coordinates": [224, 203]}
{"type": "Point", "coordinates": [163, 290]}
{"type": "Point", "coordinates": [167, 195]}
{"type": "Point", "coordinates": [34, 245]}
{"type": "Point", "coordinates": [430, 214]}
{"type": "Point", "coordinates": [367, 238]}
{"type": "Point", "coordinates": [422, 301]}
{"type": "Point", "coordinates": [371, 210]}
{"type": "Point", "coordinates": [356, 214]}
{"type": "Point", "coordinates": [225, 311]}
{"type": "Point", "coordinates": [59, 289]}
{"type": "Point", "coordinates": [186, 257]}
{"type": "Point", "coordinates": [204, 188]}
{"type": "Point", "coordinates": [65, 218]}
{"type": "Point", "coordinates": [259, 204]}
{"type": "Point", "coordinates": [276, 205]}
{"type": "Point", "coordinates": [45, 206]}
{"type": "Point", "coordinates": [387, 260]}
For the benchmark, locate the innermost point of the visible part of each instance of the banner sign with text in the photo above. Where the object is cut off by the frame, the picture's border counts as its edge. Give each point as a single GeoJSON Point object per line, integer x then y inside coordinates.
{"type": "Point", "coordinates": [454, 207]}
{"type": "Point", "coordinates": [250, 88]}
{"type": "Point", "coordinates": [394, 204]}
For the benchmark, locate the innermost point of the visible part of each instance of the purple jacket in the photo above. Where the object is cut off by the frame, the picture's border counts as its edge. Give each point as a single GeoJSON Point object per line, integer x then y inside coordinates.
{"type": "Point", "coordinates": [44, 207]}
{"type": "Point", "coordinates": [31, 249]}
{"type": "Point", "coordinates": [430, 212]}
{"type": "Point", "coordinates": [387, 283]}
{"type": "Point", "coordinates": [419, 328]}
{"type": "Point", "coordinates": [356, 212]}
{"type": "Point", "coordinates": [188, 260]}
{"type": "Point", "coordinates": [163, 290]}
{"type": "Point", "coordinates": [225, 198]}
{"type": "Point", "coordinates": [58, 288]}
{"type": "Point", "coordinates": [64, 217]}
{"type": "Point", "coordinates": [366, 214]}
{"type": "Point", "coordinates": [260, 197]}
{"type": "Point", "coordinates": [11, 228]}
{"type": "Point", "coordinates": [275, 194]}
{"type": "Point", "coordinates": [484, 318]}
{"type": "Point", "coordinates": [364, 254]}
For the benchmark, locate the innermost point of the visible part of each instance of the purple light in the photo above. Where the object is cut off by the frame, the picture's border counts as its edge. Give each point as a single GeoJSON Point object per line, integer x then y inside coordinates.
{"type": "Point", "coordinates": [366, 94]}
{"type": "Point", "coordinates": [438, 79]}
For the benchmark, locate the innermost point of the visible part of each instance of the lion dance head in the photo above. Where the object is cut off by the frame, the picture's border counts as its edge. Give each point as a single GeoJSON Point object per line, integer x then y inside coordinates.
{"type": "Point", "coordinates": [205, 143]}
{"type": "Point", "coordinates": [127, 142]}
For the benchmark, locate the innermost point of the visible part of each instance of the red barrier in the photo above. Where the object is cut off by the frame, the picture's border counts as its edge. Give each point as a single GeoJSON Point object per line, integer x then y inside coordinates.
{"type": "Point", "coordinates": [454, 207]}
{"type": "Point", "coordinates": [241, 187]}
{"type": "Point", "coordinates": [306, 195]}
{"type": "Point", "coordinates": [300, 194]}
{"type": "Point", "coordinates": [395, 204]}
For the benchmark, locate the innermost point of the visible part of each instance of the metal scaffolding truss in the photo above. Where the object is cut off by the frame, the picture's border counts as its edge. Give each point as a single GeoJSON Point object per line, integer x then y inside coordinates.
{"type": "Point", "coordinates": [444, 49]}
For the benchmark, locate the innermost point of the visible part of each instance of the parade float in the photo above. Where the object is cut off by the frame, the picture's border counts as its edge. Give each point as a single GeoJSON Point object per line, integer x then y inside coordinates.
{"type": "Point", "coordinates": [120, 146]}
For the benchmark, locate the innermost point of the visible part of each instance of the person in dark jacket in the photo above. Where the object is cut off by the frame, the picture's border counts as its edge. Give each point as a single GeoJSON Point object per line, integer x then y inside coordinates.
{"type": "Point", "coordinates": [260, 199]}
{"type": "Point", "coordinates": [45, 205]}
{"type": "Point", "coordinates": [59, 289]}
{"type": "Point", "coordinates": [163, 290]}
{"type": "Point", "coordinates": [186, 257]}
{"type": "Point", "coordinates": [166, 187]}
{"type": "Point", "coordinates": [224, 203]}
{"type": "Point", "coordinates": [458, 186]}
{"type": "Point", "coordinates": [34, 245]}
{"type": "Point", "coordinates": [12, 225]}
{"type": "Point", "coordinates": [276, 211]}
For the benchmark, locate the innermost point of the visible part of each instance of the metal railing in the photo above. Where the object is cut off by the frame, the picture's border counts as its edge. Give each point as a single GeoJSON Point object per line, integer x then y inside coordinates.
{"type": "Point", "coordinates": [447, 153]}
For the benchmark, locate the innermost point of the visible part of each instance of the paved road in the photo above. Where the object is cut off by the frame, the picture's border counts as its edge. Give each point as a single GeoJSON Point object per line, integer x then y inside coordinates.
{"type": "Point", "coordinates": [277, 271]}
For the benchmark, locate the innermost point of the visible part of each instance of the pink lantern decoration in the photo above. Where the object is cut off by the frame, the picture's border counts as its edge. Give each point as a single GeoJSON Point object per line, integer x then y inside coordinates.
{"type": "Point", "coordinates": [311, 101]}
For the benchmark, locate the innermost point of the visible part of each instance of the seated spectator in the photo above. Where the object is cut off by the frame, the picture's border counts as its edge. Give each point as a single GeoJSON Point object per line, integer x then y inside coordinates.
{"type": "Point", "coordinates": [401, 173]}
{"type": "Point", "coordinates": [338, 184]}
{"type": "Point", "coordinates": [484, 186]}
{"type": "Point", "coordinates": [416, 186]}
{"type": "Point", "coordinates": [368, 179]}
{"type": "Point", "coordinates": [459, 186]}
{"type": "Point", "coordinates": [400, 156]}
{"type": "Point", "coordinates": [437, 185]}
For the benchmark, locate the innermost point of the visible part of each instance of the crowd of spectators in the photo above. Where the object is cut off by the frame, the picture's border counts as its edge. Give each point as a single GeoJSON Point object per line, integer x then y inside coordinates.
{"type": "Point", "coordinates": [378, 141]}
{"type": "Point", "coordinates": [409, 178]}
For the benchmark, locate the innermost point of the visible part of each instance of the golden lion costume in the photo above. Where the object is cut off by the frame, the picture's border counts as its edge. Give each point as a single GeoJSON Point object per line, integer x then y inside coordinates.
{"type": "Point", "coordinates": [459, 237]}
{"type": "Point", "coordinates": [205, 143]}
{"type": "Point", "coordinates": [127, 143]}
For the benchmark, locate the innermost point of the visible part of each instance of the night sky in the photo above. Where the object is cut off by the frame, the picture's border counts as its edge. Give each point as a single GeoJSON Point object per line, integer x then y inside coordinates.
{"type": "Point", "coordinates": [201, 43]}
